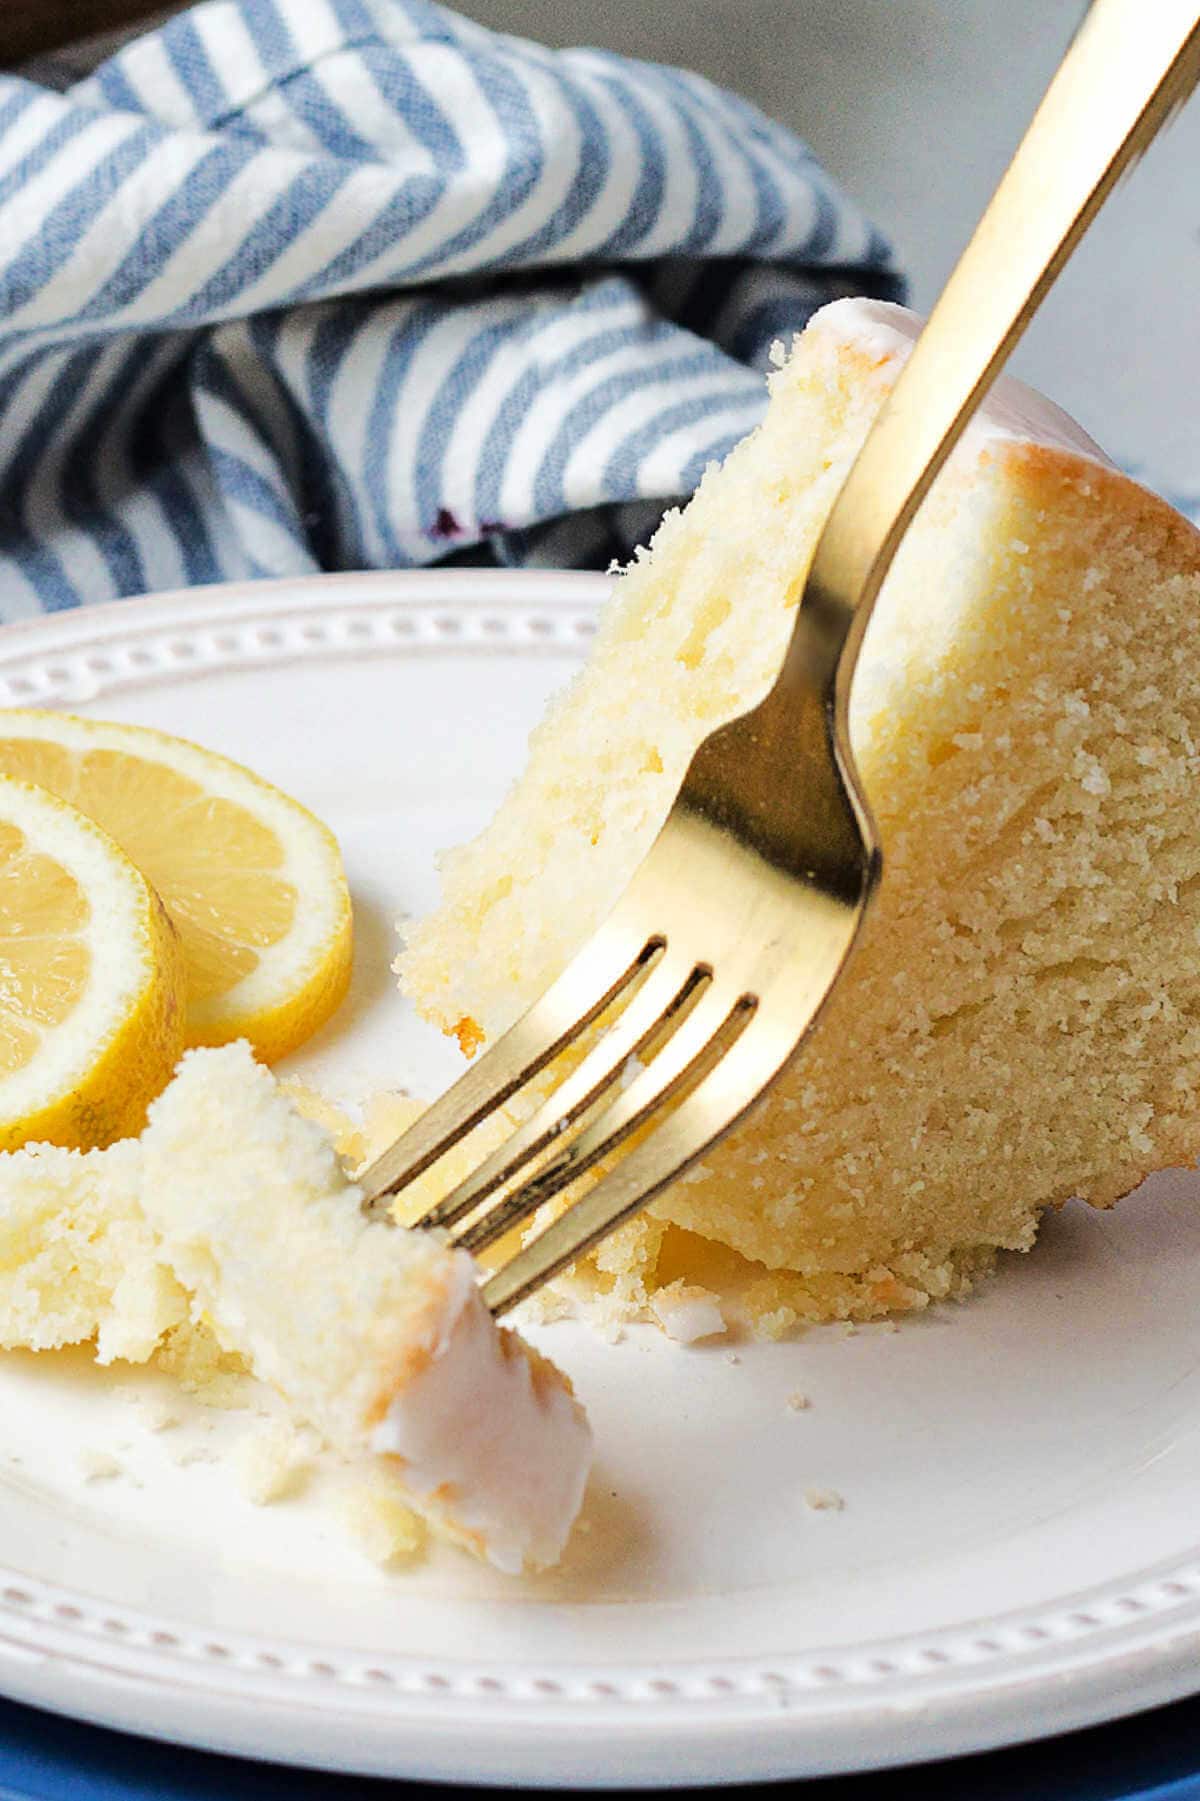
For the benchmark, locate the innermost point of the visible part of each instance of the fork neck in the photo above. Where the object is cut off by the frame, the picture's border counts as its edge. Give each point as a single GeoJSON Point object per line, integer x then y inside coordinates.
{"type": "Point", "coordinates": [1129, 66]}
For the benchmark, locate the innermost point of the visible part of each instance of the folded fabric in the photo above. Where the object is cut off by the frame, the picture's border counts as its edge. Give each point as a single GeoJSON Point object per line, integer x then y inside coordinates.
{"type": "Point", "coordinates": [299, 284]}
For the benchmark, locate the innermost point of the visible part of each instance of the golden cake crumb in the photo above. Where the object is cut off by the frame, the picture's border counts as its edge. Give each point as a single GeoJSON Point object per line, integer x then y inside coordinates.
{"type": "Point", "coordinates": [214, 1377]}
{"type": "Point", "coordinates": [98, 1466]}
{"type": "Point", "coordinates": [824, 1500]}
{"type": "Point", "coordinates": [385, 1530]}
{"type": "Point", "coordinates": [470, 1035]}
{"type": "Point", "coordinates": [272, 1462]}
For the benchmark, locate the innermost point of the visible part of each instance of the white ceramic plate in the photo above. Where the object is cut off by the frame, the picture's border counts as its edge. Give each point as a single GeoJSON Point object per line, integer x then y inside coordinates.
{"type": "Point", "coordinates": [1019, 1550]}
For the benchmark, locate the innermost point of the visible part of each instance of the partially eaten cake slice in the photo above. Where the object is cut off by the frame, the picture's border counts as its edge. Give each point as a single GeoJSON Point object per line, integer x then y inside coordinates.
{"type": "Point", "coordinates": [232, 1212]}
{"type": "Point", "coordinates": [1022, 1021]}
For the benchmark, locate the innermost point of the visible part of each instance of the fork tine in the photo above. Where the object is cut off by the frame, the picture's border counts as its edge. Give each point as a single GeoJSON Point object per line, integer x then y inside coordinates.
{"type": "Point", "coordinates": [706, 1028]}
{"type": "Point", "coordinates": [590, 983]}
{"type": "Point", "coordinates": [670, 984]}
{"type": "Point", "coordinates": [715, 1104]}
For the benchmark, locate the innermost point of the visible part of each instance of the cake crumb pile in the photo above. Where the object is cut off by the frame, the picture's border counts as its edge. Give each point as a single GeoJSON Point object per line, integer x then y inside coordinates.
{"type": "Point", "coordinates": [228, 1242]}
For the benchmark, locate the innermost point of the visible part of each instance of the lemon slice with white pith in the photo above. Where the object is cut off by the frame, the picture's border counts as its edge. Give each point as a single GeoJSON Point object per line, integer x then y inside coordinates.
{"type": "Point", "coordinates": [252, 881]}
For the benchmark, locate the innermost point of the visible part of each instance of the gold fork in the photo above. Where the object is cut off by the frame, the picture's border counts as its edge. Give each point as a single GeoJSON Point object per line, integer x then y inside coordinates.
{"type": "Point", "coordinates": [733, 929]}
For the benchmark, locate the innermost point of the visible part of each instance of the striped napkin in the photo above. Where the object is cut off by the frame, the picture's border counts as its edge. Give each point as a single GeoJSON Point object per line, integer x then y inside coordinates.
{"type": "Point", "coordinates": [290, 285]}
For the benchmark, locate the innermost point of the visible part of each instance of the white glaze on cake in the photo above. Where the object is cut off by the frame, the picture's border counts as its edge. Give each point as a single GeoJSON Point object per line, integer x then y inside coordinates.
{"type": "Point", "coordinates": [492, 1444]}
{"type": "Point", "coordinates": [886, 332]}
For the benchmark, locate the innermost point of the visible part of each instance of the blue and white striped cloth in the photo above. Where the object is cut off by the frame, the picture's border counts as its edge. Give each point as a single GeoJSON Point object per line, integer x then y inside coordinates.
{"type": "Point", "coordinates": [290, 285]}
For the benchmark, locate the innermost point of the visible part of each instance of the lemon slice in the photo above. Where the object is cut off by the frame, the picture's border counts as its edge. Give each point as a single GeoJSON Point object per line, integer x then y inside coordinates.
{"type": "Point", "coordinates": [91, 980]}
{"type": "Point", "coordinates": [253, 883]}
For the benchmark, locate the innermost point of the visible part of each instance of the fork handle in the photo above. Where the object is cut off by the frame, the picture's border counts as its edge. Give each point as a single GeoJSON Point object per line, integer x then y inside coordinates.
{"type": "Point", "coordinates": [1131, 64]}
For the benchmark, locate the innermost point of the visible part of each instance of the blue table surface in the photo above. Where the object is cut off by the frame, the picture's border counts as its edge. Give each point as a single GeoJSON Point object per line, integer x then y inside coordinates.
{"type": "Point", "coordinates": [1154, 1757]}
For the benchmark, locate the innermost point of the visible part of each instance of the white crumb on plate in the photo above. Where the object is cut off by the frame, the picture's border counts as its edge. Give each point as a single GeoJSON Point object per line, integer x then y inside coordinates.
{"type": "Point", "coordinates": [98, 1466]}
{"type": "Point", "coordinates": [271, 1462]}
{"type": "Point", "coordinates": [687, 1313]}
{"type": "Point", "coordinates": [159, 1416]}
{"type": "Point", "coordinates": [824, 1500]}
{"type": "Point", "coordinates": [385, 1529]}
{"type": "Point", "coordinates": [798, 1402]}
{"type": "Point", "coordinates": [190, 1454]}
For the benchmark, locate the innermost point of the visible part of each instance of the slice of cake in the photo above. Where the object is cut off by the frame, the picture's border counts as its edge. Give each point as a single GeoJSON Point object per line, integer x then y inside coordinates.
{"type": "Point", "coordinates": [1021, 1023]}
{"type": "Point", "coordinates": [234, 1213]}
